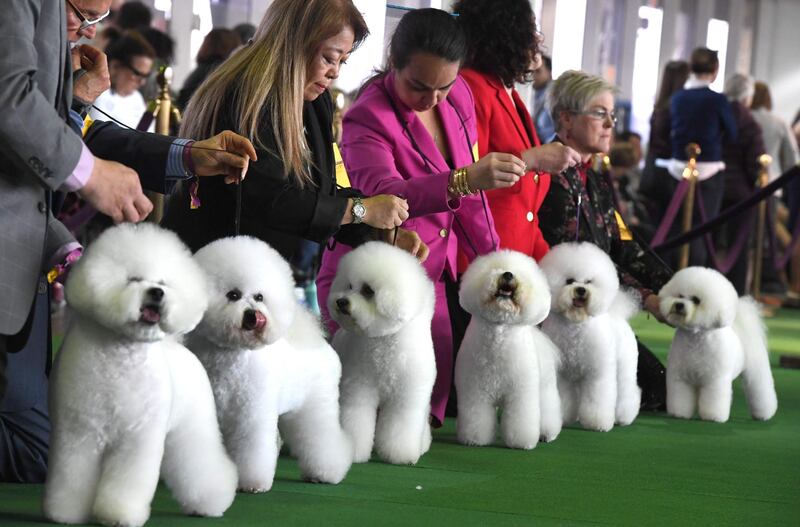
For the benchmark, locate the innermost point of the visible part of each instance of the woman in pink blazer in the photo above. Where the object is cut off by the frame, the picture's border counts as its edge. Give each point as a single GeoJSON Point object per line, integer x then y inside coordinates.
{"type": "Point", "coordinates": [407, 134]}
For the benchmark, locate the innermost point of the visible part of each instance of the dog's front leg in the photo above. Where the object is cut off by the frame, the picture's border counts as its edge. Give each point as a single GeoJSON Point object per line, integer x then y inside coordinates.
{"type": "Point", "coordinates": [72, 476]}
{"type": "Point", "coordinates": [521, 418]}
{"type": "Point", "coordinates": [253, 445]}
{"type": "Point", "coordinates": [477, 417]}
{"type": "Point", "coordinates": [359, 410]}
{"type": "Point", "coordinates": [399, 432]}
{"type": "Point", "coordinates": [681, 396]}
{"type": "Point", "coordinates": [598, 402]}
{"type": "Point", "coordinates": [714, 400]}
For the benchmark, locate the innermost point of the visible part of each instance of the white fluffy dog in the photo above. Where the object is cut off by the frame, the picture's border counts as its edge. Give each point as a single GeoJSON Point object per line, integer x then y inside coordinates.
{"type": "Point", "coordinates": [383, 302]}
{"type": "Point", "coordinates": [127, 399]}
{"type": "Point", "coordinates": [719, 336]}
{"type": "Point", "coordinates": [505, 361]}
{"type": "Point", "coordinates": [588, 323]}
{"type": "Point", "coordinates": [269, 364]}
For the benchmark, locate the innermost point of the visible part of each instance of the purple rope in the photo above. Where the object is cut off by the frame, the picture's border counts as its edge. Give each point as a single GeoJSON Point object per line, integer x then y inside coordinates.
{"type": "Point", "coordinates": [739, 245]}
{"type": "Point", "coordinates": [671, 213]}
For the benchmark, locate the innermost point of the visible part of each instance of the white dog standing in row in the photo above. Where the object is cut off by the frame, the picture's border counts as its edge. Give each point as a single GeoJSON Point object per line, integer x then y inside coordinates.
{"type": "Point", "coordinates": [269, 363]}
{"type": "Point", "coordinates": [719, 337]}
{"type": "Point", "coordinates": [588, 323]}
{"type": "Point", "coordinates": [505, 361]}
{"type": "Point", "coordinates": [127, 399]}
{"type": "Point", "coordinates": [383, 302]}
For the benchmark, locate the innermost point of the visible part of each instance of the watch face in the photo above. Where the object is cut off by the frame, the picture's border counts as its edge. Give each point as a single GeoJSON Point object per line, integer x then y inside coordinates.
{"type": "Point", "coordinates": [359, 210]}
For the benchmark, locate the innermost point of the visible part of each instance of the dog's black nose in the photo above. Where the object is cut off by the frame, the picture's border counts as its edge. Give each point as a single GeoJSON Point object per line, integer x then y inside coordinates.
{"type": "Point", "coordinates": [508, 276]}
{"type": "Point", "coordinates": [580, 291]}
{"type": "Point", "coordinates": [344, 305]}
{"type": "Point", "coordinates": [249, 319]}
{"type": "Point", "coordinates": [155, 294]}
{"type": "Point", "coordinates": [678, 307]}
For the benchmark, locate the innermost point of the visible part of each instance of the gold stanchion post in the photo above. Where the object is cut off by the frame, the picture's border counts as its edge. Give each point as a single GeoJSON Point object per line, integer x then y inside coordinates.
{"type": "Point", "coordinates": [165, 115]}
{"type": "Point", "coordinates": [690, 174]}
{"type": "Point", "coordinates": [763, 179]}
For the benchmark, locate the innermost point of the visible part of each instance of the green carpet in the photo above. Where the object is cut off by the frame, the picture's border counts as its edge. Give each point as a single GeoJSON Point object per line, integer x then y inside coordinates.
{"type": "Point", "coordinates": [658, 471]}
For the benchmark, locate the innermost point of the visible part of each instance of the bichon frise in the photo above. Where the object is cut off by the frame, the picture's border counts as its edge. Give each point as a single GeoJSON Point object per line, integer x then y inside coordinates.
{"type": "Point", "coordinates": [505, 361]}
{"type": "Point", "coordinates": [383, 302]}
{"type": "Point", "coordinates": [719, 336]}
{"type": "Point", "coordinates": [127, 398]}
{"type": "Point", "coordinates": [269, 364]}
{"type": "Point", "coordinates": [588, 324]}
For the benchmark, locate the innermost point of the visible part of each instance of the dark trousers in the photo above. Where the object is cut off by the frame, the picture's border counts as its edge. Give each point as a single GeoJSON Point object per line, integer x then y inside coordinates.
{"type": "Point", "coordinates": [24, 422]}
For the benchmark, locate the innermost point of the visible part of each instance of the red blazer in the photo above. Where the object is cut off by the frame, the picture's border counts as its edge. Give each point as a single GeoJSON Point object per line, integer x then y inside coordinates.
{"type": "Point", "coordinates": [507, 127]}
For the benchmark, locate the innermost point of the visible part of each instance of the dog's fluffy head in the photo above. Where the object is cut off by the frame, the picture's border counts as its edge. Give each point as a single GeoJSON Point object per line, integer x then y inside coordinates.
{"type": "Point", "coordinates": [698, 298]}
{"type": "Point", "coordinates": [378, 289]}
{"type": "Point", "coordinates": [505, 287]}
{"type": "Point", "coordinates": [252, 300]}
{"type": "Point", "coordinates": [582, 278]}
{"type": "Point", "coordinates": [139, 281]}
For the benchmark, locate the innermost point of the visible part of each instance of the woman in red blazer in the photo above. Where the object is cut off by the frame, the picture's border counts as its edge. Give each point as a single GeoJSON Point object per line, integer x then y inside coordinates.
{"type": "Point", "coordinates": [503, 49]}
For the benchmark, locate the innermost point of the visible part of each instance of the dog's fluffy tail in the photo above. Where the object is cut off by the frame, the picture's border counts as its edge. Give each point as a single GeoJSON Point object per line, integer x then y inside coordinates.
{"type": "Point", "coordinates": [758, 383]}
{"type": "Point", "coordinates": [625, 304]}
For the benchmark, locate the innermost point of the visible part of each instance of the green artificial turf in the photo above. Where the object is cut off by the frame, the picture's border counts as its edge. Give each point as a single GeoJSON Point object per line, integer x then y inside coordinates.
{"type": "Point", "coordinates": [658, 471]}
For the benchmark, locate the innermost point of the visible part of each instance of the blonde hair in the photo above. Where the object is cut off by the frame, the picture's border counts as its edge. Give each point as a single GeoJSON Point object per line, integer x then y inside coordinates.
{"type": "Point", "coordinates": [573, 90]}
{"type": "Point", "coordinates": [270, 74]}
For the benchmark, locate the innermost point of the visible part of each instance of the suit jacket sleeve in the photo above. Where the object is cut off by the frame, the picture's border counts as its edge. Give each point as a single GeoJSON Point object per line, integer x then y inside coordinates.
{"type": "Point", "coordinates": [33, 136]}
{"type": "Point", "coordinates": [728, 121]}
{"type": "Point", "coordinates": [145, 153]}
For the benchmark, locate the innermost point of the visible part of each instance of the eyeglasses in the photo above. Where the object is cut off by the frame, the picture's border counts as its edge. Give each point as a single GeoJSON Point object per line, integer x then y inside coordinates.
{"type": "Point", "coordinates": [136, 72]}
{"type": "Point", "coordinates": [600, 114]}
{"type": "Point", "coordinates": [85, 21]}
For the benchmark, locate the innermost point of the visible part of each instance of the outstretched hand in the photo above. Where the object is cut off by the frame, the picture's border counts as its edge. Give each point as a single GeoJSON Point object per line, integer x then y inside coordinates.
{"type": "Point", "coordinates": [225, 154]}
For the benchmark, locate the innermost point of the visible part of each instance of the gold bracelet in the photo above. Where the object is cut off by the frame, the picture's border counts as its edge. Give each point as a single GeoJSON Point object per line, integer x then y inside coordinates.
{"type": "Point", "coordinates": [452, 188]}
{"type": "Point", "coordinates": [463, 182]}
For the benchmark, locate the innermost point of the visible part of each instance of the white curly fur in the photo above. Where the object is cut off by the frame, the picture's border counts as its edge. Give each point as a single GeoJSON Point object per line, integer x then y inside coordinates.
{"type": "Point", "coordinates": [127, 399]}
{"type": "Point", "coordinates": [597, 378]}
{"type": "Point", "coordinates": [269, 365]}
{"type": "Point", "coordinates": [505, 361]}
{"type": "Point", "coordinates": [383, 302]}
{"type": "Point", "coordinates": [719, 337]}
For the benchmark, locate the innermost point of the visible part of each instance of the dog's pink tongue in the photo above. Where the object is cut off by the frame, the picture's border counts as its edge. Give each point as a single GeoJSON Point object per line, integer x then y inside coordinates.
{"type": "Point", "coordinates": [261, 320]}
{"type": "Point", "coordinates": [150, 315]}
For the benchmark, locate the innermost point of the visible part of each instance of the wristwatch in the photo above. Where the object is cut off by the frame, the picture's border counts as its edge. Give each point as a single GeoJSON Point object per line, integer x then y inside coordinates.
{"type": "Point", "coordinates": [359, 210]}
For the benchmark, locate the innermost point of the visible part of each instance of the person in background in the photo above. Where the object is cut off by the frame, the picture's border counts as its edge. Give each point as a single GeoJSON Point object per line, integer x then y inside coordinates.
{"type": "Point", "coordinates": [700, 115]}
{"type": "Point", "coordinates": [503, 49]}
{"type": "Point", "coordinates": [657, 185]}
{"type": "Point", "coordinates": [133, 15]}
{"type": "Point", "coordinates": [411, 132]}
{"type": "Point", "coordinates": [164, 46]}
{"type": "Point", "coordinates": [216, 47]}
{"type": "Point", "coordinates": [580, 206]}
{"type": "Point", "coordinates": [285, 106]}
{"type": "Point", "coordinates": [542, 120]}
{"type": "Point", "coordinates": [741, 172]}
{"type": "Point", "coordinates": [245, 31]}
{"type": "Point", "coordinates": [781, 145]}
{"type": "Point", "coordinates": [130, 61]}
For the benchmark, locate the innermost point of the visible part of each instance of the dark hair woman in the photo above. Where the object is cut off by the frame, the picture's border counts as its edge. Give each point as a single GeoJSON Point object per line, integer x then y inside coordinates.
{"type": "Point", "coordinates": [412, 132]}
{"type": "Point", "coordinates": [216, 47]}
{"type": "Point", "coordinates": [503, 49]}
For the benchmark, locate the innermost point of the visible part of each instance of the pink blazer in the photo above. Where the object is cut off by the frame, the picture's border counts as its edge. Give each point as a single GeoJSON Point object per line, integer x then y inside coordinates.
{"type": "Point", "coordinates": [381, 159]}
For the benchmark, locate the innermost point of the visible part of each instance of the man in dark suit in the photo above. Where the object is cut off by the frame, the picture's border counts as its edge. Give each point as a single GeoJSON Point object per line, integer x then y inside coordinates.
{"type": "Point", "coordinates": [40, 154]}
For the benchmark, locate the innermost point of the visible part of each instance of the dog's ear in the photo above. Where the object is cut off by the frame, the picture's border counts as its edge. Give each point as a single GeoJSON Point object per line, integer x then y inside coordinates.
{"type": "Point", "coordinates": [392, 304]}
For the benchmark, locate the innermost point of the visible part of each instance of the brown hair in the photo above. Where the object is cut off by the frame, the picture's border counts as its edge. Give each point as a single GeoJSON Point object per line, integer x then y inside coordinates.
{"type": "Point", "coordinates": [675, 74]}
{"type": "Point", "coordinates": [704, 60]}
{"type": "Point", "coordinates": [218, 44]}
{"type": "Point", "coordinates": [762, 98]}
{"type": "Point", "coordinates": [270, 74]}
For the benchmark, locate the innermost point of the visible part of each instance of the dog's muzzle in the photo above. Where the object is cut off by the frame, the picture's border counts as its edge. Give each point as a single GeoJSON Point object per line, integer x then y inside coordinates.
{"type": "Point", "coordinates": [506, 286]}
{"type": "Point", "coordinates": [253, 320]}
{"type": "Point", "coordinates": [343, 306]}
{"type": "Point", "coordinates": [580, 297]}
{"type": "Point", "coordinates": [150, 312]}
{"type": "Point", "coordinates": [678, 308]}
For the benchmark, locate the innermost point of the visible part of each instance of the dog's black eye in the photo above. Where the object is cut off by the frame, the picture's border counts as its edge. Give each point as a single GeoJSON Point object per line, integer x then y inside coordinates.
{"type": "Point", "coordinates": [367, 292]}
{"type": "Point", "coordinates": [588, 282]}
{"type": "Point", "coordinates": [258, 297]}
{"type": "Point", "coordinates": [233, 295]}
{"type": "Point", "coordinates": [135, 279]}
{"type": "Point", "coordinates": [570, 281]}
{"type": "Point", "coordinates": [696, 300]}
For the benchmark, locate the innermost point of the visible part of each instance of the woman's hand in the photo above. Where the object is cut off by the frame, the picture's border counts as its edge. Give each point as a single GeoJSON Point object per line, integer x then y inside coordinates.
{"type": "Point", "coordinates": [384, 211]}
{"type": "Point", "coordinates": [552, 158]}
{"type": "Point", "coordinates": [652, 305]}
{"type": "Point", "coordinates": [495, 170]}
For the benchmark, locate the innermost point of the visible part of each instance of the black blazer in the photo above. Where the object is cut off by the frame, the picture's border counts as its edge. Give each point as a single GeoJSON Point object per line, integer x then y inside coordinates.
{"type": "Point", "coordinates": [274, 208]}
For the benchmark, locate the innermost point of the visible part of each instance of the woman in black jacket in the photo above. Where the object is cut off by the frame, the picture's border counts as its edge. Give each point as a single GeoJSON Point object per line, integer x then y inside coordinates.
{"type": "Point", "coordinates": [275, 92]}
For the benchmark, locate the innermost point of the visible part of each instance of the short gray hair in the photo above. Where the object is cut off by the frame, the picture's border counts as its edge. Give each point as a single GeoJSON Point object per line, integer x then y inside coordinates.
{"type": "Point", "coordinates": [572, 91]}
{"type": "Point", "coordinates": [739, 87]}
